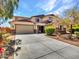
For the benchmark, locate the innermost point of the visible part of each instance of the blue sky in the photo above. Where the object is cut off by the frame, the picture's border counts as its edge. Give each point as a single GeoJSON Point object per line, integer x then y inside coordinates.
{"type": "Point", "coordinates": [36, 7]}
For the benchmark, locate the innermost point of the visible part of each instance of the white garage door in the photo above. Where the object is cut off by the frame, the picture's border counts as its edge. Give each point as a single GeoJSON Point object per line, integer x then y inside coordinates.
{"type": "Point", "coordinates": [21, 29]}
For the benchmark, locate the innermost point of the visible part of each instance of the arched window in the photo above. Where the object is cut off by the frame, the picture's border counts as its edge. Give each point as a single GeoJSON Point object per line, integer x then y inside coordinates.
{"type": "Point", "coordinates": [49, 20]}
{"type": "Point", "coordinates": [37, 19]}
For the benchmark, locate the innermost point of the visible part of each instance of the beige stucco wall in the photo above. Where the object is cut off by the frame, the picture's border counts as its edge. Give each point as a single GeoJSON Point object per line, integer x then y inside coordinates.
{"type": "Point", "coordinates": [45, 18]}
{"type": "Point", "coordinates": [24, 29]}
{"type": "Point", "coordinates": [33, 19]}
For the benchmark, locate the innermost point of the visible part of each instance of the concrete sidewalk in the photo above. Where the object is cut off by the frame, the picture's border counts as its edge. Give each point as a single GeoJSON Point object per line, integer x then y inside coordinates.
{"type": "Point", "coordinates": [38, 46]}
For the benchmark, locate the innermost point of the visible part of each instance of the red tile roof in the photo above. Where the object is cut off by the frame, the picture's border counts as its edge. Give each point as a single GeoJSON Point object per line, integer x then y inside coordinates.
{"type": "Point", "coordinates": [23, 22]}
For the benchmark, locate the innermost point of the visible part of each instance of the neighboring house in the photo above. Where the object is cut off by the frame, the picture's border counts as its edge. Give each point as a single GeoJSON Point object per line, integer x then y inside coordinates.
{"type": "Point", "coordinates": [35, 24]}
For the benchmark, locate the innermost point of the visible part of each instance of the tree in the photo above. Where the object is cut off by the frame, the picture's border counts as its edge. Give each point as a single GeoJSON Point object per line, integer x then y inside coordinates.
{"type": "Point", "coordinates": [73, 15]}
{"type": "Point", "coordinates": [7, 8]}
{"type": "Point", "coordinates": [66, 22]}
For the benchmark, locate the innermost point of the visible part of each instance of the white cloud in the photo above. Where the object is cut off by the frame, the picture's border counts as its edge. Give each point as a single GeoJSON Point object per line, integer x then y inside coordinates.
{"type": "Point", "coordinates": [57, 12]}
{"type": "Point", "coordinates": [50, 13]}
{"type": "Point", "coordinates": [67, 1]}
{"type": "Point", "coordinates": [60, 10]}
{"type": "Point", "coordinates": [63, 8]}
{"type": "Point", "coordinates": [48, 5]}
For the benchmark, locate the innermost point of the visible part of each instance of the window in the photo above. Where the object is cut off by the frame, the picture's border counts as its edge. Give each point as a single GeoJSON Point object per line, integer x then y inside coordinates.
{"type": "Point", "coordinates": [49, 20]}
{"type": "Point", "coordinates": [37, 20]}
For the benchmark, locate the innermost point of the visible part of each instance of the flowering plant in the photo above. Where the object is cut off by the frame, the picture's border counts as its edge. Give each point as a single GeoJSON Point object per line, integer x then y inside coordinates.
{"type": "Point", "coordinates": [1, 51]}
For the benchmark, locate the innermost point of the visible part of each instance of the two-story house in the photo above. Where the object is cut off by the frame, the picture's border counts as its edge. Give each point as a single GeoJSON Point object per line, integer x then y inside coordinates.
{"type": "Point", "coordinates": [34, 24]}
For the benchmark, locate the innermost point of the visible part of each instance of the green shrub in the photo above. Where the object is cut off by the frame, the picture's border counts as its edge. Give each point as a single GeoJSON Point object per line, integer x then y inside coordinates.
{"type": "Point", "coordinates": [77, 34]}
{"type": "Point", "coordinates": [76, 27]}
{"type": "Point", "coordinates": [49, 30]}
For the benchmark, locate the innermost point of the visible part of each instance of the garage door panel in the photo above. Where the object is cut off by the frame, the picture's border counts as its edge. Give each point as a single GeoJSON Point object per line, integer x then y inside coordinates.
{"type": "Point", "coordinates": [24, 29]}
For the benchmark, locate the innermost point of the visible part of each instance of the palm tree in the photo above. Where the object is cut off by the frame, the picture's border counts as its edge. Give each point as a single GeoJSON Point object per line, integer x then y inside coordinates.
{"type": "Point", "coordinates": [7, 8]}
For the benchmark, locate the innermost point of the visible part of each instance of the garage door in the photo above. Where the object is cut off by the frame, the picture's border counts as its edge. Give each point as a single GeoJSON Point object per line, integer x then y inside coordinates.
{"type": "Point", "coordinates": [22, 29]}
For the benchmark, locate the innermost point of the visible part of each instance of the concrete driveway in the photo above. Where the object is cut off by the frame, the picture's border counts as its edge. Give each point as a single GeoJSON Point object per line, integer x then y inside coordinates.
{"type": "Point", "coordinates": [38, 46]}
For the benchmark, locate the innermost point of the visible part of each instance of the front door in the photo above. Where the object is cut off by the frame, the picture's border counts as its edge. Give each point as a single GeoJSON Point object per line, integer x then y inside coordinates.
{"type": "Point", "coordinates": [40, 29]}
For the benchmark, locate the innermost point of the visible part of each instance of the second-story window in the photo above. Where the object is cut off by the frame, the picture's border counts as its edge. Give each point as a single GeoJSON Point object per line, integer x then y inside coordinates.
{"type": "Point", "coordinates": [49, 20]}
{"type": "Point", "coordinates": [37, 20]}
